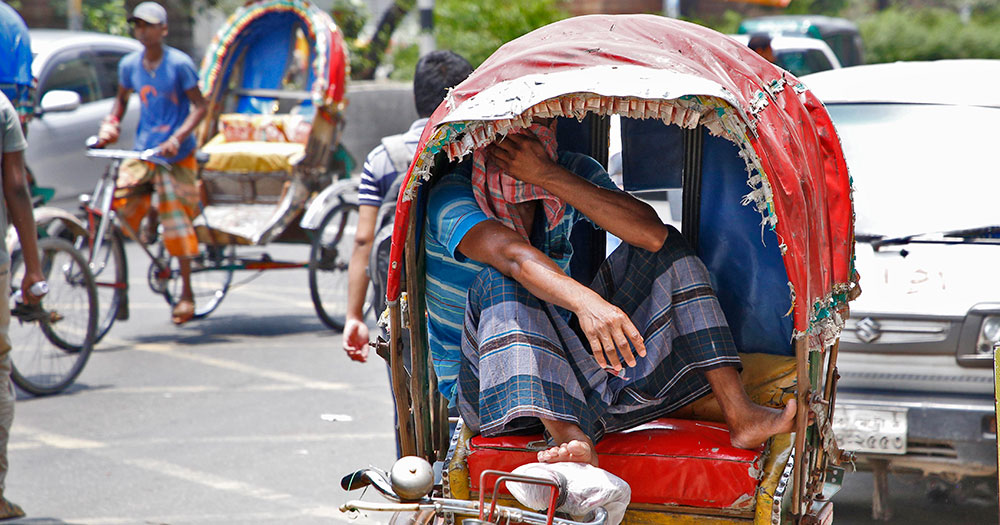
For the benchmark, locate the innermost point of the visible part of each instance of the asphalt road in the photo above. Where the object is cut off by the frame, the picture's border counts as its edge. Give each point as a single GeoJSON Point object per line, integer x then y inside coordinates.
{"type": "Point", "coordinates": [250, 416]}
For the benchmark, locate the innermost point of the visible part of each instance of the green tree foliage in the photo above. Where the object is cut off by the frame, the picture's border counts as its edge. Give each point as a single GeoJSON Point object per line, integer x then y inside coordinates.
{"type": "Point", "coordinates": [105, 16]}
{"type": "Point", "coordinates": [930, 34]}
{"type": "Point", "coordinates": [476, 29]}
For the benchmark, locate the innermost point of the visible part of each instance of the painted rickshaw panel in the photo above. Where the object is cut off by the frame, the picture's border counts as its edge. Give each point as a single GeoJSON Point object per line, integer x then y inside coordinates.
{"type": "Point", "coordinates": [274, 19]}
{"type": "Point", "coordinates": [802, 193]}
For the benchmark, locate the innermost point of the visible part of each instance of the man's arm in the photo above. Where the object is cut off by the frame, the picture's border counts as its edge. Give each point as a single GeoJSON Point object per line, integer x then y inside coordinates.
{"type": "Point", "coordinates": [110, 126]}
{"type": "Point", "coordinates": [199, 107]}
{"type": "Point", "coordinates": [605, 325]}
{"type": "Point", "coordinates": [355, 329]}
{"type": "Point", "coordinates": [624, 216]}
{"type": "Point", "coordinates": [15, 191]}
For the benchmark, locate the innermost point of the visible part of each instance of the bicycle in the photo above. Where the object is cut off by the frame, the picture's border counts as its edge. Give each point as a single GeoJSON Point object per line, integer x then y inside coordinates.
{"type": "Point", "coordinates": [52, 340]}
{"type": "Point", "coordinates": [104, 244]}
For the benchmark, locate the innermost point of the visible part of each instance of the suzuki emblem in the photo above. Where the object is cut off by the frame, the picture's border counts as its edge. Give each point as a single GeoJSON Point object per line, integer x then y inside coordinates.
{"type": "Point", "coordinates": [868, 330]}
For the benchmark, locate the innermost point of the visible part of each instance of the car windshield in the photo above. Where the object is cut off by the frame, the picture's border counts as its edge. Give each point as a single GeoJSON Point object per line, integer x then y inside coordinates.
{"type": "Point", "coordinates": [801, 62]}
{"type": "Point", "coordinates": [920, 168]}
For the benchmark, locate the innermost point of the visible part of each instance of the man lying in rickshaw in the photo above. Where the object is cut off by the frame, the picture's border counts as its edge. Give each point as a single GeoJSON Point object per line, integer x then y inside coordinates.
{"type": "Point", "coordinates": [533, 348]}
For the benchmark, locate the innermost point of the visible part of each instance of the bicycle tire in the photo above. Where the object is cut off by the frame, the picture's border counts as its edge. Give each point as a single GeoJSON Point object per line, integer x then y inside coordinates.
{"type": "Point", "coordinates": [331, 251]}
{"type": "Point", "coordinates": [211, 275]}
{"type": "Point", "coordinates": [110, 270]}
{"type": "Point", "coordinates": [48, 351]}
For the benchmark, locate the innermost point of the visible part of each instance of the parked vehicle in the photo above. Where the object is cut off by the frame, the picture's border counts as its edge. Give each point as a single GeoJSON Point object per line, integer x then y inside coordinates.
{"type": "Point", "coordinates": [841, 35]}
{"type": "Point", "coordinates": [77, 74]}
{"type": "Point", "coordinates": [800, 55]}
{"type": "Point", "coordinates": [916, 388]}
{"type": "Point", "coordinates": [686, 124]}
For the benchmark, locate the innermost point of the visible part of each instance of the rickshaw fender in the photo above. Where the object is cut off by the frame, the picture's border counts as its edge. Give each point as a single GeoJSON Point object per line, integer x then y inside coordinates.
{"type": "Point", "coordinates": [341, 191]}
{"type": "Point", "coordinates": [49, 216]}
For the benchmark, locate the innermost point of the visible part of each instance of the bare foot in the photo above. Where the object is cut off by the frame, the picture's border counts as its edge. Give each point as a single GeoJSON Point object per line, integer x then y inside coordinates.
{"type": "Point", "coordinates": [576, 451]}
{"type": "Point", "coordinates": [183, 311]}
{"type": "Point", "coordinates": [758, 423]}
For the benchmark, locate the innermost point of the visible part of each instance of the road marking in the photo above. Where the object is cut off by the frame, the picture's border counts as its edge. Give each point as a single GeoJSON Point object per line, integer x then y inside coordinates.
{"type": "Point", "coordinates": [27, 438]}
{"type": "Point", "coordinates": [238, 487]}
{"type": "Point", "coordinates": [272, 297]}
{"type": "Point", "coordinates": [169, 390]}
{"type": "Point", "coordinates": [254, 517]}
{"type": "Point", "coordinates": [285, 377]}
{"type": "Point", "coordinates": [55, 440]}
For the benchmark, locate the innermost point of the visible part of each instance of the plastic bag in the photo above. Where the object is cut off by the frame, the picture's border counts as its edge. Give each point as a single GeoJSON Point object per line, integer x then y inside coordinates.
{"type": "Point", "coordinates": [582, 488]}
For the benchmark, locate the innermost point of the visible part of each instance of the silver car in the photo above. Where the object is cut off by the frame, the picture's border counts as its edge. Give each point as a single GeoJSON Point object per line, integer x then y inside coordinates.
{"type": "Point", "coordinates": [77, 75]}
{"type": "Point", "coordinates": [916, 387]}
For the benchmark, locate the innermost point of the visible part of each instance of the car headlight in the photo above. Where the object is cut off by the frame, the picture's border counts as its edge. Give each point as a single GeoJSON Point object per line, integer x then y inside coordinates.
{"type": "Point", "coordinates": [989, 334]}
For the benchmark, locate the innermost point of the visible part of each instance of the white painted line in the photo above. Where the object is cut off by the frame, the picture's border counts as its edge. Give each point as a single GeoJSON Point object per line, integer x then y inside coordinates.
{"type": "Point", "coordinates": [272, 297]}
{"type": "Point", "coordinates": [54, 440]}
{"type": "Point", "coordinates": [240, 488]}
{"type": "Point", "coordinates": [236, 366]}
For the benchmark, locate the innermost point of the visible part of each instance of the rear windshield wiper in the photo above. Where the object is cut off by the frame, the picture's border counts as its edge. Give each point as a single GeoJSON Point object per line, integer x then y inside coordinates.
{"type": "Point", "coordinates": [983, 235]}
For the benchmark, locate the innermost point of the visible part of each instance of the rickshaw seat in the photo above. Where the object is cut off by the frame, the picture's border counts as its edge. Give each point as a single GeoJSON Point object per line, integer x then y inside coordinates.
{"type": "Point", "coordinates": [675, 460]}
{"type": "Point", "coordinates": [665, 462]}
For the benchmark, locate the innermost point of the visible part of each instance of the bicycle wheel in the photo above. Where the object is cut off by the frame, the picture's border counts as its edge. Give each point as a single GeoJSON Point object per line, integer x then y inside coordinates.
{"type": "Point", "coordinates": [110, 270]}
{"type": "Point", "coordinates": [331, 251]}
{"type": "Point", "coordinates": [211, 275]}
{"type": "Point", "coordinates": [50, 343]}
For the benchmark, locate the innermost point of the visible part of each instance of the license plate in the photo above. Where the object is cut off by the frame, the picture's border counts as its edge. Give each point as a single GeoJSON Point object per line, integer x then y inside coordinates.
{"type": "Point", "coordinates": [879, 430]}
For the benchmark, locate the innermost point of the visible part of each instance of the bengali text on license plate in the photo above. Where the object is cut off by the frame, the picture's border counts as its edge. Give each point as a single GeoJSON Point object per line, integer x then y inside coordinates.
{"type": "Point", "coordinates": [880, 430]}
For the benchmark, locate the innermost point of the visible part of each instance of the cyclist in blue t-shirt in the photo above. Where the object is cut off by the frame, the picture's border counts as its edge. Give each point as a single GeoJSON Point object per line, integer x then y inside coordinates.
{"type": "Point", "coordinates": [172, 106]}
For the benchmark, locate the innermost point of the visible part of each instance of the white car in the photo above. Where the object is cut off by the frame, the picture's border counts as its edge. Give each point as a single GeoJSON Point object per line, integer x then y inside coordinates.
{"type": "Point", "coordinates": [920, 139]}
{"type": "Point", "coordinates": [799, 55]}
{"type": "Point", "coordinates": [77, 75]}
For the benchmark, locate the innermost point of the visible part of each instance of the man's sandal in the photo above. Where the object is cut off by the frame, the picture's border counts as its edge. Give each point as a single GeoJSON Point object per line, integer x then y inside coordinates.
{"type": "Point", "coordinates": [183, 311]}
{"type": "Point", "coordinates": [9, 510]}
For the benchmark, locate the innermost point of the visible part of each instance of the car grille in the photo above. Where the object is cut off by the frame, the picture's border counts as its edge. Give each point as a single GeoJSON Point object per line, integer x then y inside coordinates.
{"type": "Point", "coordinates": [867, 330]}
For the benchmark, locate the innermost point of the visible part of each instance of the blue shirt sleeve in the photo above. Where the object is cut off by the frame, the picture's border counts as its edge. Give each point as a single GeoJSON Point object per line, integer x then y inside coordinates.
{"type": "Point", "coordinates": [187, 75]}
{"type": "Point", "coordinates": [125, 72]}
{"type": "Point", "coordinates": [452, 211]}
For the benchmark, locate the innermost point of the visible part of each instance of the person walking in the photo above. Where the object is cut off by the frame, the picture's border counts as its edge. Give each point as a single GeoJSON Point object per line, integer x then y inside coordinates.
{"type": "Point", "coordinates": [435, 74]}
{"type": "Point", "coordinates": [16, 204]}
{"type": "Point", "coordinates": [172, 106]}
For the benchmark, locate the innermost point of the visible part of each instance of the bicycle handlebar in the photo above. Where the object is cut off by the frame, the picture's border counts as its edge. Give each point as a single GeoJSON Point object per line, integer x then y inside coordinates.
{"type": "Point", "coordinates": [149, 155]}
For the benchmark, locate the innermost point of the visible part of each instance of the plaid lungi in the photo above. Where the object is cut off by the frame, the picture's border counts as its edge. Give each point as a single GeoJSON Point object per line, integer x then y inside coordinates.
{"type": "Point", "coordinates": [523, 359]}
{"type": "Point", "coordinates": [178, 198]}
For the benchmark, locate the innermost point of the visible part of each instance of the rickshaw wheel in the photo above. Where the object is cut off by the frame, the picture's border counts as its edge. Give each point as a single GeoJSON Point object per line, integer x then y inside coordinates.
{"type": "Point", "coordinates": [211, 275]}
{"type": "Point", "coordinates": [331, 251]}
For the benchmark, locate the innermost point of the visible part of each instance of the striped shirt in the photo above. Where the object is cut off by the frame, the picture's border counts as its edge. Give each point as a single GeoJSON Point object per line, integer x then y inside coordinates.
{"type": "Point", "coordinates": [451, 212]}
{"type": "Point", "coordinates": [379, 173]}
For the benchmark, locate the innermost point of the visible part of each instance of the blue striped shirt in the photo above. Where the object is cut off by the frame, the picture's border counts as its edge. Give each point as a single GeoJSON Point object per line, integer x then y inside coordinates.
{"type": "Point", "coordinates": [451, 212]}
{"type": "Point", "coordinates": [379, 173]}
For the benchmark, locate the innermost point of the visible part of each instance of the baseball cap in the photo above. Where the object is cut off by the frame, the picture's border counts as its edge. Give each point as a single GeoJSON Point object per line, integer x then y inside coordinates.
{"type": "Point", "coordinates": [149, 12]}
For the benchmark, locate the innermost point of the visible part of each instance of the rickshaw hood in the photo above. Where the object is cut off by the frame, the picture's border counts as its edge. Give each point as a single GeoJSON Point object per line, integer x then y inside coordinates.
{"type": "Point", "coordinates": [797, 174]}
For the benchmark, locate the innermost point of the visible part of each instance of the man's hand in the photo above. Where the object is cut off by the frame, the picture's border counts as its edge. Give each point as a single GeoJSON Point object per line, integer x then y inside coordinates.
{"type": "Point", "coordinates": [609, 332]}
{"type": "Point", "coordinates": [523, 157]}
{"type": "Point", "coordinates": [30, 278]}
{"type": "Point", "coordinates": [356, 340]}
{"type": "Point", "coordinates": [108, 132]}
{"type": "Point", "coordinates": [170, 147]}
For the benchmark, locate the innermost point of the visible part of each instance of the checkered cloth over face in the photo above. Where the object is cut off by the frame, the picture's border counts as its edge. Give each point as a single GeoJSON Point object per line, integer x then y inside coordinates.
{"type": "Point", "coordinates": [496, 190]}
{"type": "Point", "coordinates": [523, 359]}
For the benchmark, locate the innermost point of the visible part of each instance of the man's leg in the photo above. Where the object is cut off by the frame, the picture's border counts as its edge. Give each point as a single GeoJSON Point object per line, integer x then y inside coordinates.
{"type": "Point", "coordinates": [7, 509]}
{"type": "Point", "coordinates": [178, 201]}
{"type": "Point", "coordinates": [515, 371]}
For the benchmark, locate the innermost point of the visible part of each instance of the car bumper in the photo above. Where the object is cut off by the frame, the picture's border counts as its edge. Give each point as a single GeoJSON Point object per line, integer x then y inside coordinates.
{"type": "Point", "coordinates": [946, 434]}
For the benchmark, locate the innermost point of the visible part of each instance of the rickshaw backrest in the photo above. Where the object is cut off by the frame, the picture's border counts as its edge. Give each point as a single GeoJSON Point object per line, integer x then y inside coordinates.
{"type": "Point", "coordinates": [267, 58]}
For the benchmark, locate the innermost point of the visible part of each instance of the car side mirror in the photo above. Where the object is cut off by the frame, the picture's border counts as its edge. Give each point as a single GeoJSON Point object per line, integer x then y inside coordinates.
{"type": "Point", "coordinates": [59, 101]}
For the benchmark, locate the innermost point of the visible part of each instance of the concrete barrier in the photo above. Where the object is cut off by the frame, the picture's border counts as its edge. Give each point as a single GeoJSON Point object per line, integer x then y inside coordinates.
{"type": "Point", "coordinates": [375, 109]}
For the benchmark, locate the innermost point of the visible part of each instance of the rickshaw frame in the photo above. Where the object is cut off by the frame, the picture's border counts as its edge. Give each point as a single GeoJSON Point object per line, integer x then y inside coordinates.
{"type": "Point", "coordinates": [757, 111]}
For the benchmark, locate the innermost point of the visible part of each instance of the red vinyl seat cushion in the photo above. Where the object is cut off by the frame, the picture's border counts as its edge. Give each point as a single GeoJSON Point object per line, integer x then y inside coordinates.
{"type": "Point", "coordinates": [666, 462]}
